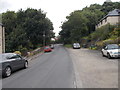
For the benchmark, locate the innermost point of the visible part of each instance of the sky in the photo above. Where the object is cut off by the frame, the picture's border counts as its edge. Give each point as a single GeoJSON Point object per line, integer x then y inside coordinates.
{"type": "Point", "coordinates": [56, 10]}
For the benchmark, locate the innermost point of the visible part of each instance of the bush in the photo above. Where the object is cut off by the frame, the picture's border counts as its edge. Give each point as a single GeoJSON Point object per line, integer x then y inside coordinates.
{"type": "Point", "coordinates": [24, 51]}
{"type": "Point", "coordinates": [102, 33]}
{"type": "Point", "coordinates": [17, 52]}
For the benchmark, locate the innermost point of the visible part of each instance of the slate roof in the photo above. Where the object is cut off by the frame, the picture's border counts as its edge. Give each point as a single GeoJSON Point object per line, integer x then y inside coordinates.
{"type": "Point", "coordinates": [115, 12]}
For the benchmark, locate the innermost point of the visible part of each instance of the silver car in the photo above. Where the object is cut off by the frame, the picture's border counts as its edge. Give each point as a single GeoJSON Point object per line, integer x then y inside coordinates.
{"type": "Point", "coordinates": [10, 62]}
{"type": "Point", "coordinates": [76, 46]}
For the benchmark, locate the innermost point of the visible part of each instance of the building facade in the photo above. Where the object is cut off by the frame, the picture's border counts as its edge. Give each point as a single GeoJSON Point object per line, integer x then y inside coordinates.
{"type": "Point", "coordinates": [112, 18]}
{"type": "Point", "coordinates": [2, 39]}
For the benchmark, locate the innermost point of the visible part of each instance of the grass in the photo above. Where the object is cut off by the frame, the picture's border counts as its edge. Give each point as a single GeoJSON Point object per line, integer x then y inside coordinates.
{"type": "Point", "coordinates": [68, 45]}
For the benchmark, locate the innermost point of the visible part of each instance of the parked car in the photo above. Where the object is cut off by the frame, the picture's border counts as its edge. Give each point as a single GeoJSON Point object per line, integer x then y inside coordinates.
{"type": "Point", "coordinates": [10, 62]}
{"type": "Point", "coordinates": [111, 51]}
{"type": "Point", "coordinates": [52, 46]}
{"type": "Point", "coordinates": [84, 45]}
{"type": "Point", "coordinates": [76, 46]}
{"type": "Point", "coordinates": [47, 49]}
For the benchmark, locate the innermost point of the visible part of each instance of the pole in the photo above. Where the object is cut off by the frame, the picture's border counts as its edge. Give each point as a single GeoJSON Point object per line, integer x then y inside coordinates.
{"type": "Point", "coordinates": [44, 39]}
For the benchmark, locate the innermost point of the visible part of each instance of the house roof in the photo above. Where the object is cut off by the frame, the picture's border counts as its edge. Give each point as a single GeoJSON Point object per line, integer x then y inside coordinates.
{"type": "Point", "coordinates": [115, 12]}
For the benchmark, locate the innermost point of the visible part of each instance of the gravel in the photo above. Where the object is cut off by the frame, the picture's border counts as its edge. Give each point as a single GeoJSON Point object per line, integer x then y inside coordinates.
{"type": "Point", "coordinates": [94, 71]}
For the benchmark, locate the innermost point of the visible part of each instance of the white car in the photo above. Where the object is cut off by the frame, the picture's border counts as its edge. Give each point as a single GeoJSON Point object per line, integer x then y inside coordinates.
{"type": "Point", "coordinates": [76, 46]}
{"type": "Point", "coordinates": [111, 51]}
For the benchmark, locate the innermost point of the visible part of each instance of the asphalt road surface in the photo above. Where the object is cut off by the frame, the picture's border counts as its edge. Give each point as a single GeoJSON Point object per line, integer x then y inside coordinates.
{"type": "Point", "coordinates": [49, 70]}
{"type": "Point", "coordinates": [67, 68]}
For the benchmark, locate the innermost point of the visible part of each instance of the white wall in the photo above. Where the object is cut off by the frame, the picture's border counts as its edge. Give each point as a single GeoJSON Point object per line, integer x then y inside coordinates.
{"type": "Point", "coordinates": [113, 20]}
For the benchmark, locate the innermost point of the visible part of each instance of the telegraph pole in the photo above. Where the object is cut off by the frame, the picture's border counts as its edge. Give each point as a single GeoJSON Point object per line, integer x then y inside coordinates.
{"type": "Point", "coordinates": [43, 38]}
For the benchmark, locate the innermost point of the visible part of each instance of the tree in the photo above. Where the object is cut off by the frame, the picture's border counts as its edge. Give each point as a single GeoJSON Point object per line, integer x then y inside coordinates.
{"type": "Point", "coordinates": [82, 23]}
{"type": "Point", "coordinates": [24, 29]}
{"type": "Point", "coordinates": [74, 28]}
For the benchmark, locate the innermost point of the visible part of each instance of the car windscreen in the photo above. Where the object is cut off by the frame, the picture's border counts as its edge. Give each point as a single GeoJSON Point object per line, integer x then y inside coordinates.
{"type": "Point", "coordinates": [113, 46]}
{"type": "Point", "coordinates": [76, 44]}
{"type": "Point", "coordinates": [6, 56]}
{"type": "Point", "coordinates": [47, 47]}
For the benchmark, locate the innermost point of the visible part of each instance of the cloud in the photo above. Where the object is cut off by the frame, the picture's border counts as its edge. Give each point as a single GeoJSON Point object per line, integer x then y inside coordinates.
{"type": "Point", "coordinates": [4, 5]}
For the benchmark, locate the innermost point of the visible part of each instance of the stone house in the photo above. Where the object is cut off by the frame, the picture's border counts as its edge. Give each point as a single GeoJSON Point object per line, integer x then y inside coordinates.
{"type": "Point", "coordinates": [112, 18]}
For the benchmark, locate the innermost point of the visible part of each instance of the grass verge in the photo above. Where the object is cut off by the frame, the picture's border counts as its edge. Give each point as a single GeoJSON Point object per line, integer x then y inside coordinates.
{"type": "Point", "coordinates": [68, 45]}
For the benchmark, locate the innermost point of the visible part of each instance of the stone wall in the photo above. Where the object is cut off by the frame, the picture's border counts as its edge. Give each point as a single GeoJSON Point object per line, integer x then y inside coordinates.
{"type": "Point", "coordinates": [2, 39]}
{"type": "Point", "coordinates": [113, 20]}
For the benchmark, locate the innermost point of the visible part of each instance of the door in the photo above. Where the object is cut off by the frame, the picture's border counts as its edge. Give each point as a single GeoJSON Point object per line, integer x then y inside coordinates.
{"type": "Point", "coordinates": [105, 51]}
{"type": "Point", "coordinates": [17, 62]}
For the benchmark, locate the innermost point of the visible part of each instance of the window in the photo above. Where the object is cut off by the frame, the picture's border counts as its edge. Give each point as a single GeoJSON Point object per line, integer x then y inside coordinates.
{"type": "Point", "coordinates": [14, 57]}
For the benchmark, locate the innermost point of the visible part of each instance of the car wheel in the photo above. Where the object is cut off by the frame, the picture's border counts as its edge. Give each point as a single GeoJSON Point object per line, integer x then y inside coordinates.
{"type": "Point", "coordinates": [108, 55]}
{"type": "Point", "coordinates": [103, 54]}
{"type": "Point", "coordinates": [26, 65]}
{"type": "Point", "coordinates": [7, 72]}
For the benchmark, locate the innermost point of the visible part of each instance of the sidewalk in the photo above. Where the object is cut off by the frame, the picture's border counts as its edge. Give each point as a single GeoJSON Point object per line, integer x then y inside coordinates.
{"type": "Point", "coordinates": [34, 56]}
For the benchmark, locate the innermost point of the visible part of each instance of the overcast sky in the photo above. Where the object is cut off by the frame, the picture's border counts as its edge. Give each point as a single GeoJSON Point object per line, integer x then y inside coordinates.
{"type": "Point", "coordinates": [56, 10]}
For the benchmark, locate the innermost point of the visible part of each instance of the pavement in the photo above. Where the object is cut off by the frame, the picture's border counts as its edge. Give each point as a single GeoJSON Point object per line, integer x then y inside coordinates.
{"type": "Point", "coordinates": [92, 70]}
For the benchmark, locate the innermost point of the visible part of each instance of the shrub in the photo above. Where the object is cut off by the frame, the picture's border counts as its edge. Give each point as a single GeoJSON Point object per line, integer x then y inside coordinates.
{"type": "Point", "coordinates": [24, 51]}
{"type": "Point", "coordinates": [17, 52]}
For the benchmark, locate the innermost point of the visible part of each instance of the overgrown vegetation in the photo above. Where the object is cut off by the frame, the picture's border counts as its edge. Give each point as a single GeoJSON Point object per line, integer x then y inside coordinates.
{"type": "Point", "coordinates": [104, 35]}
{"type": "Point", "coordinates": [80, 25]}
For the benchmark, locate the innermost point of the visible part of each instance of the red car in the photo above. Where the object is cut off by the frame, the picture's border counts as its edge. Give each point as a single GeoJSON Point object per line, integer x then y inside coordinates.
{"type": "Point", "coordinates": [47, 49]}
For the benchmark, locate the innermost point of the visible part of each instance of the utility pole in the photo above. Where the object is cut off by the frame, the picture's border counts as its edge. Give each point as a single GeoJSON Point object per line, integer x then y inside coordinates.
{"type": "Point", "coordinates": [43, 38]}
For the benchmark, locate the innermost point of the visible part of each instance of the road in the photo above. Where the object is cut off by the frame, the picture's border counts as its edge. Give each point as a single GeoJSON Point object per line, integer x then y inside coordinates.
{"type": "Point", "coordinates": [49, 70]}
{"type": "Point", "coordinates": [67, 68]}
{"type": "Point", "coordinates": [94, 71]}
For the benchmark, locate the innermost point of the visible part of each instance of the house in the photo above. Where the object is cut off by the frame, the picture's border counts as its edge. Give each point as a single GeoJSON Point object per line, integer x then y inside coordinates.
{"type": "Point", "coordinates": [112, 18]}
{"type": "Point", "coordinates": [2, 39]}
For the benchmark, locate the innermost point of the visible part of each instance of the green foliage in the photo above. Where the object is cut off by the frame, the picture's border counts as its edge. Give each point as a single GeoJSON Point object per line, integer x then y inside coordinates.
{"type": "Point", "coordinates": [74, 28]}
{"type": "Point", "coordinates": [24, 29]}
{"type": "Point", "coordinates": [109, 6]}
{"type": "Point", "coordinates": [81, 23]}
{"type": "Point", "coordinates": [68, 45]}
{"type": "Point", "coordinates": [116, 32]}
{"type": "Point", "coordinates": [101, 34]}
{"type": "Point", "coordinates": [107, 34]}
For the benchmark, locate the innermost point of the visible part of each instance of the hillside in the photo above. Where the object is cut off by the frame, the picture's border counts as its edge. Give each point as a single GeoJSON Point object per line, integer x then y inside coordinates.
{"type": "Point", "coordinates": [80, 25]}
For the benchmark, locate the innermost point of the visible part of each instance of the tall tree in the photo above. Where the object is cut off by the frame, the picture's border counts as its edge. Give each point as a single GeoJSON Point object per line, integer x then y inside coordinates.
{"type": "Point", "coordinates": [25, 28]}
